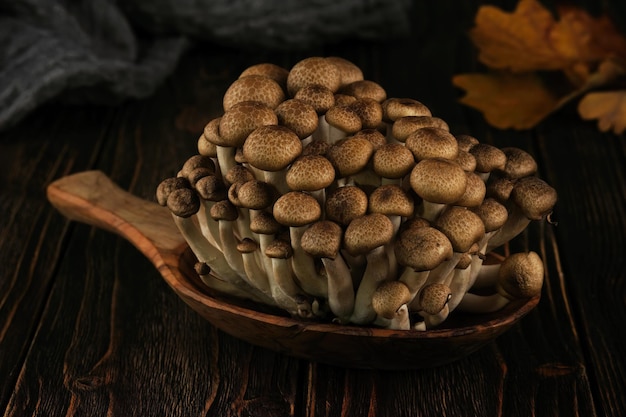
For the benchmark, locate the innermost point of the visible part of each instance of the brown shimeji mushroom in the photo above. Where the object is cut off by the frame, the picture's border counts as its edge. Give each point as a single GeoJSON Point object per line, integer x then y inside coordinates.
{"type": "Point", "coordinates": [225, 214]}
{"type": "Point", "coordinates": [311, 173]}
{"type": "Point", "coordinates": [519, 276]}
{"type": "Point", "coordinates": [488, 159]}
{"type": "Point", "coordinates": [266, 228]}
{"type": "Point", "coordinates": [369, 110]}
{"type": "Point", "coordinates": [321, 99]}
{"type": "Point", "coordinates": [519, 163]}
{"type": "Point", "coordinates": [269, 70]}
{"type": "Point", "coordinates": [348, 71]}
{"type": "Point", "coordinates": [395, 108]}
{"type": "Point", "coordinates": [368, 235]}
{"type": "Point", "coordinates": [392, 162]}
{"type": "Point", "coordinates": [365, 89]}
{"type": "Point", "coordinates": [389, 301]}
{"type": "Point", "coordinates": [402, 128]}
{"type": "Point", "coordinates": [433, 305]}
{"type": "Point", "coordinates": [253, 88]}
{"type": "Point", "coordinates": [322, 240]}
{"type": "Point", "coordinates": [298, 116]}
{"type": "Point", "coordinates": [313, 70]}
{"type": "Point", "coordinates": [349, 157]}
{"type": "Point", "coordinates": [256, 276]}
{"type": "Point", "coordinates": [210, 189]}
{"type": "Point", "coordinates": [466, 142]}
{"type": "Point", "coordinates": [342, 121]}
{"type": "Point", "coordinates": [432, 142]}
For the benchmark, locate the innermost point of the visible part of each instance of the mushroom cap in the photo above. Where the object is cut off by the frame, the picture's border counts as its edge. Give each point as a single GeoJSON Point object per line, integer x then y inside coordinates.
{"type": "Point", "coordinates": [224, 210]}
{"type": "Point", "coordinates": [373, 135]}
{"type": "Point", "coordinates": [316, 147]}
{"type": "Point", "coordinates": [273, 71]}
{"type": "Point", "coordinates": [343, 99]}
{"type": "Point", "coordinates": [488, 157]}
{"type": "Point", "coordinates": [279, 249]}
{"type": "Point", "coordinates": [183, 202]}
{"type": "Point", "coordinates": [264, 224]}
{"type": "Point", "coordinates": [322, 239]}
{"type": "Point", "coordinates": [534, 196]}
{"type": "Point", "coordinates": [500, 188]}
{"type": "Point", "coordinates": [422, 248]}
{"type": "Point", "coordinates": [438, 180]}
{"type": "Point", "coordinates": [392, 200]}
{"type": "Point", "coordinates": [395, 108]}
{"type": "Point", "coordinates": [474, 191]}
{"type": "Point", "coordinates": [434, 297]}
{"type": "Point", "coordinates": [243, 118]}
{"type": "Point", "coordinates": [344, 119]}
{"type": "Point", "coordinates": [295, 209]}
{"type": "Point", "coordinates": [404, 126]}
{"type": "Point", "coordinates": [310, 173]}
{"type": "Point", "coordinates": [462, 226]}
{"type": "Point", "coordinates": [519, 163]}
{"type": "Point", "coordinates": [317, 96]}
{"type": "Point", "coordinates": [521, 275]}
{"type": "Point", "coordinates": [432, 142]}
{"type": "Point", "coordinates": [238, 173]}
{"type": "Point", "coordinates": [165, 188]}
{"type": "Point", "coordinates": [389, 296]}
{"type": "Point", "coordinates": [365, 89]}
{"type": "Point", "coordinates": [466, 160]}
{"type": "Point", "coordinates": [350, 156]}
{"type": "Point", "coordinates": [211, 131]}
{"type": "Point", "coordinates": [205, 147]}
{"type": "Point", "coordinates": [466, 142]}
{"type": "Point", "coordinates": [349, 72]}
{"type": "Point", "coordinates": [367, 232]}
{"type": "Point", "coordinates": [298, 116]}
{"type": "Point", "coordinates": [344, 204]}
{"type": "Point", "coordinates": [492, 213]}
{"type": "Point", "coordinates": [313, 70]}
{"type": "Point", "coordinates": [253, 88]}
{"type": "Point", "coordinates": [256, 195]}
{"type": "Point", "coordinates": [272, 148]}
{"type": "Point", "coordinates": [247, 245]}
{"type": "Point", "coordinates": [211, 188]}
{"type": "Point", "coordinates": [369, 110]}
{"type": "Point", "coordinates": [197, 174]}
{"type": "Point", "coordinates": [392, 160]}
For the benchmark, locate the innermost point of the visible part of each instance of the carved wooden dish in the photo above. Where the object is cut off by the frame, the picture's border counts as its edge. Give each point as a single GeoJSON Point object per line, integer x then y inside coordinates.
{"type": "Point", "coordinates": [91, 197]}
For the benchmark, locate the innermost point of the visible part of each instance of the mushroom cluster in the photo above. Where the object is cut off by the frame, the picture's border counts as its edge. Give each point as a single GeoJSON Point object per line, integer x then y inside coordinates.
{"type": "Point", "coordinates": [316, 193]}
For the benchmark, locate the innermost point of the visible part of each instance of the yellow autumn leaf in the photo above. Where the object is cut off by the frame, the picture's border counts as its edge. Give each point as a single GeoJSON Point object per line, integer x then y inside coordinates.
{"type": "Point", "coordinates": [507, 100]}
{"type": "Point", "coordinates": [608, 107]}
{"type": "Point", "coordinates": [530, 38]}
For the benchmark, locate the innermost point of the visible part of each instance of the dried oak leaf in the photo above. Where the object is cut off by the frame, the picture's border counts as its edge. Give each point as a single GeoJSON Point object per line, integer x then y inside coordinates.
{"type": "Point", "coordinates": [530, 38]}
{"type": "Point", "coordinates": [507, 100]}
{"type": "Point", "coordinates": [609, 107]}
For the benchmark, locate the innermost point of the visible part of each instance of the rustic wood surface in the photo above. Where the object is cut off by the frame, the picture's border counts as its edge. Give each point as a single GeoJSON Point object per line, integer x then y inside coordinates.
{"type": "Point", "coordinates": [89, 327]}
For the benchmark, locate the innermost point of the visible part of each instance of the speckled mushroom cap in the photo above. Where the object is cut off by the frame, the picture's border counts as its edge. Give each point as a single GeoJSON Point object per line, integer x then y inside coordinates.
{"type": "Point", "coordinates": [395, 108]}
{"type": "Point", "coordinates": [318, 96]}
{"type": "Point", "coordinates": [165, 188]}
{"type": "Point", "coordinates": [313, 70]}
{"type": "Point", "coordinates": [392, 200]}
{"type": "Point", "coordinates": [369, 110]}
{"type": "Point", "coordinates": [211, 188]}
{"type": "Point", "coordinates": [404, 126]}
{"type": "Point", "coordinates": [207, 147]}
{"type": "Point", "coordinates": [197, 161]}
{"type": "Point", "coordinates": [272, 148]}
{"type": "Point", "coordinates": [348, 71]}
{"type": "Point", "coordinates": [500, 188]}
{"type": "Point", "coordinates": [519, 163]}
{"type": "Point", "coordinates": [279, 249]}
{"type": "Point", "coordinates": [264, 224]}
{"type": "Point", "coordinates": [310, 173]}
{"type": "Point", "coordinates": [488, 157]}
{"type": "Point", "coordinates": [366, 233]}
{"type": "Point", "coordinates": [247, 245]}
{"type": "Point", "coordinates": [183, 202]}
{"type": "Point", "coordinates": [466, 160]}
{"type": "Point", "coordinates": [345, 204]}
{"type": "Point", "coordinates": [296, 208]}
{"type": "Point", "coordinates": [534, 196]}
{"type": "Point", "coordinates": [211, 131]}
{"type": "Point", "coordinates": [432, 142]}
{"type": "Point", "coordinates": [266, 69]}
{"type": "Point", "coordinates": [422, 248]}
{"type": "Point", "coordinates": [389, 297]}
{"type": "Point", "coordinates": [238, 173]}
{"type": "Point", "coordinates": [237, 123]}
{"type": "Point", "coordinates": [298, 116]}
{"type": "Point", "coordinates": [462, 226]}
{"type": "Point", "coordinates": [492, 213]}
{"type": "Point", "coordinates": [343, 99]}
{"type": "Point", "coordinates": [392, 160]}
{"type": "Point", "coordinates": [344, 119]}
{"type": "Point", "coordinates": [373, 135]}
{"type": "Point", "coordinates": [350, 156]}
{"type": "Point", "coordinates": [521, 275]}
{"type": "Point", "coordinates": [466, 142]}
{"type": "Point", "coordinates": [434, 297]}
{"type": "Point", "coordinates": [475, 191]}
{"type": "Point", "coordinates": [365, 89]}
{"type": "Point", "coordinates": [438, 180]}
{"type": "Point", "coordinates": [316, 147]}
{"type": "Point", "coordinates": [256, 195]}
{"type": "Point", "coordinates": [224, 210]}
{"type": "Point", "coordinates": [253, 88]}
{"type": "Point", "coordinates": [322, 239]}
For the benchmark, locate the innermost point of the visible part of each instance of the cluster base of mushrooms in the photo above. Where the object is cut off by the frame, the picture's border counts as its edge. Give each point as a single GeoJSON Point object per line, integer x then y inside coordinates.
{"type": "Point", "coordinates": [316, 193]}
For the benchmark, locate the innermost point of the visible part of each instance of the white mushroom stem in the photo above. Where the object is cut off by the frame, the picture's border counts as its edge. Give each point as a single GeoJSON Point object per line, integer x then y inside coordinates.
{"type": "Point", "coordinates": [400, 320]}
{"type": "Point", "coordinates": [285, 291]}
{"type": "Point", "coordinates": [459, 284]}
{"type": "Point", "coordinates": [256, 276]}
{"type": "Point", "coordinates": [209, 226]}
{"type": "Point", "coordinates": [485, 276]}
{"type": "Point", "coordinates": [303, 266]}
{"type": "Point", "coordinates": [514, 225]}
{"type": "Point", "coordinates": [430, 211]}
{"type": "Point", "coordinates": [433, 320]}
{"type": "Point", "coordinates": [225, 158]}
{"type": "Point", "coordinates": [375, 273]}
{"type": "Point", "coordinates": [225, 287]}
{"type": "Point", "coordinates": [473, 303]}
{"type": "Point", "coordinates": [229, 244]}
{"type": "Point", "coordinates": [414, 280]}
{"type": "Point", "coordinates": [340, 288]}
{"type": "Point", "coordinates": [442, 273]}
{"type": "Point", "coordinates": [321, 133]}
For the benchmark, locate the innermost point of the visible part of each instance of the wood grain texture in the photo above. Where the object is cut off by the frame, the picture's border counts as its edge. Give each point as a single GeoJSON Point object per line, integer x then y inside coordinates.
{"type": "Point", "coordinates": [89, 327]}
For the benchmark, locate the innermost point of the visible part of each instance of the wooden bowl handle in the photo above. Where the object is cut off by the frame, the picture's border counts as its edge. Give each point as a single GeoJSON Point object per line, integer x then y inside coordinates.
{"type": "Point", "coordinates": [91, 197]}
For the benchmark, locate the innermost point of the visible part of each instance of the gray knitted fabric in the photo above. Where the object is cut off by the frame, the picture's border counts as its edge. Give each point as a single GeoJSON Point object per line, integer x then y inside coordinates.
{"type": "Point", "coordinates": [90, 50]}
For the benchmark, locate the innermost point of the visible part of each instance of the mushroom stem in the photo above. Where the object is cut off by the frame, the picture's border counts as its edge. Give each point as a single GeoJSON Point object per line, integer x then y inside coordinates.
{"type": "Point", "coordinates": [340, 288]}
{"type": "Point", "coordinates": [473, 303]}
{"type": "Point", "coordinates": [222, 286]}
{"type": "Point", "coordinates": [303, 266]}
{"type": "Point", "coordinates": [225, 158]}
{"type": "Point", "coordinates": [375, 273]}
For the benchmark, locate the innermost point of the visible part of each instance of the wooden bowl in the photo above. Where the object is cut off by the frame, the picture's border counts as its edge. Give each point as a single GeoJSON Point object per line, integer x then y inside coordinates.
{"type": "Point", "coordinates": [92, 198]}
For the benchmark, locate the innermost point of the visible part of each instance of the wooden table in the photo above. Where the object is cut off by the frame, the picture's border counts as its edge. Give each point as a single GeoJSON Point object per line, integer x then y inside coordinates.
{"type": "Point", "coordinates": [88, 327]}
